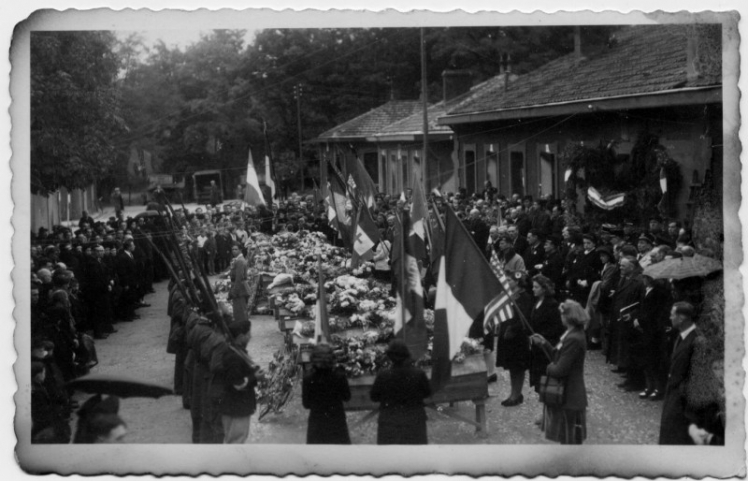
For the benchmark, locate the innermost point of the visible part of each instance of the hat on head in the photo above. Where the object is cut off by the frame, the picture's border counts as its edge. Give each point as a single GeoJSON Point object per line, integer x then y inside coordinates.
{"type": "Point", "coordinates": [555, 240]}
{"type": "Point", "coordinates": [323, 356]}
{"type": "Point", "coordinates": [36, 367]}
{"type": "Point", "coordinates": [398, 351]}
{"type": "Point", "coordinates": [605, 250]}
{"type": "Point", "coordinates": [237, 328]}
{"type": "Point", "coordinates": [590, 236]}
{"type": "Point", "coordinates": [647, 238]}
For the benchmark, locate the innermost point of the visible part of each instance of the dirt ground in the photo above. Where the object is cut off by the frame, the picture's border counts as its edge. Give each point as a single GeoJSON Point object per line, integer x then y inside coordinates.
{"type": "Point", "coordinates": [139, 350]}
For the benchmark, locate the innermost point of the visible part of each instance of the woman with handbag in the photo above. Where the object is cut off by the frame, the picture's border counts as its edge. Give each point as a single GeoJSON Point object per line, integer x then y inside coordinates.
{"type": "Point", "coordinates": [562, 390]}
{"type": "Point", "coordinates": [512, 349]}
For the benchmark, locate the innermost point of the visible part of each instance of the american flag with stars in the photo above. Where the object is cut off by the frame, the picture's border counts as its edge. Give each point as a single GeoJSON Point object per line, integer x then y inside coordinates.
{"type": "Point", "coordinates": [500, 306]}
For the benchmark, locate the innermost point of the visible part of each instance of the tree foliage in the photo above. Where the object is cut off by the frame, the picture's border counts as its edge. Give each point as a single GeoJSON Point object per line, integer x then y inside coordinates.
{"type": "Point", "coordinates": [203, 107]}
{"type": "Point", "coordinates": [74, 108]}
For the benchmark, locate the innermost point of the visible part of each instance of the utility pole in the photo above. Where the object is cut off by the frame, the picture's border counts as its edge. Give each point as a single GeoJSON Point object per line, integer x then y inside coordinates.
{"type": "Point", "coordinates": [425, 100]}
{"type": "Point", "coordinates": [297, 94]}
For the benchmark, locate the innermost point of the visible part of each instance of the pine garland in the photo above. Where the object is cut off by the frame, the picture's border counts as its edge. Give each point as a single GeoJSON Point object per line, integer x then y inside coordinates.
{"type": "Point", "coordinates": [639, 178]}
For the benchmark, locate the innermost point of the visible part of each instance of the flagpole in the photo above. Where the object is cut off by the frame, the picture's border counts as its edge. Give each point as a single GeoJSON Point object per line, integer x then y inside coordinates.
{"type": "Point", "coordinates": [424, 95]}
{"type": "Point", "coordinates": [402, 273]}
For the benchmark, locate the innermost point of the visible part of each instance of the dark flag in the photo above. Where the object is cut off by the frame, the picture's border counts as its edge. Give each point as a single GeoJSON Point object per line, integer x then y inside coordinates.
{"type": "Point", "coordinates": [419, 222]}
{"type": "Point", "coordinates": [410, 325]}
{"type": "Point", "coordinates": [338, 200]}
{"type": "Point", "coordinates": [360, 182]}
{"type": "Point", "coordinates": [321, 318]}
{"type": "Point", "coordinates": [365, 237]}
{"type": "Point", "coordinates": [466, 285]}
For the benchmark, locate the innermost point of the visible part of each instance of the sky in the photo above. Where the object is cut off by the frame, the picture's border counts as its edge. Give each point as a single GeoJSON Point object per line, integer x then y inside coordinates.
{"type": "Point", "coordinates": [175, 38]}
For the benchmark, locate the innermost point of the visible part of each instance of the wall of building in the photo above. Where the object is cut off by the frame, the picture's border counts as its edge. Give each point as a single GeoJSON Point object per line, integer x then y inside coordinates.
{"type": "Point", "coordinates": [525, 157]}
{"type": "Point", "coordinates": [58, 207]}
{"type": "Point", "coordinates": [400, 164]}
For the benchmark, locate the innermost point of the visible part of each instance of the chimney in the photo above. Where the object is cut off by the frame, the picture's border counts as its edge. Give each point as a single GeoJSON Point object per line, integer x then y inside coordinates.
{"type": "Point", "coordinates": [692, 57]}
{"type": "Point", "coordinates": [455, 83]}
{"type": "Point", "coordinates": [507, 71]}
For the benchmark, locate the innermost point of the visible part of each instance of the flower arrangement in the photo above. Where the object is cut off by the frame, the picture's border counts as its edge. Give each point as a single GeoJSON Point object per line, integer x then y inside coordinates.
{"type": "Point", "coordinates": [468, 348]}
{"type": "Point", "coordinates": [275, 388]}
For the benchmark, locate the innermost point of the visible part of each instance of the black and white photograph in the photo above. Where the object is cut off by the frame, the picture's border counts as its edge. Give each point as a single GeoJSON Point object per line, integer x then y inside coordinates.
{"type": "Point", "coordinates": [363, 242]}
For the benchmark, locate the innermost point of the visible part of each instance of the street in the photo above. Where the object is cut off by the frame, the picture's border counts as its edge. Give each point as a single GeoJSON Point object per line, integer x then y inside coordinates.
{"type": "Point", "coordinates": [139, 350]}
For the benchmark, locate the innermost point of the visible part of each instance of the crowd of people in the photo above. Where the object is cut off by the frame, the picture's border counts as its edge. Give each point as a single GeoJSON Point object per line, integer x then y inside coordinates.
{"type": "Point", "coordinates": [576, 286]}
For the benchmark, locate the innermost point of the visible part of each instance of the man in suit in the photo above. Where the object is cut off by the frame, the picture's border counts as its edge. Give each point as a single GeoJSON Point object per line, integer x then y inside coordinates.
{"type": "Point", "coordinates": [478, 229]}
{"type": "Point", "coordinates": [519, 242]}
{"type": "Point", "coordinates": [127, 273]}
{"type": "Point", "coordinates": [628, 292]}
{"type": "Point", "coordinates": [675, 412]}
{"type": "Point", "coordinates": [534, 254]}
{"type": "Point", "coordinates": [97, 286]}
{"type": "Point", "coordinates": [553, 264]}
{"type": "Point", "coordinates": [238, 292]}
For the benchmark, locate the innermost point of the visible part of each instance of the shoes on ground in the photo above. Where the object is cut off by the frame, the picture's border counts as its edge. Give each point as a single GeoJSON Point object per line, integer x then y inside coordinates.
{"type": "Point", "coordinates": [656, 395]}
{"type": "Point", "coordinates": [514, 402]}
{"type": "Point", "coordinates": [645, 394]}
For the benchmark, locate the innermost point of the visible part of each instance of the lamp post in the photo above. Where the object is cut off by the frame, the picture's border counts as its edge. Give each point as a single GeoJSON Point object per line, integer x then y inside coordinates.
{"type": "Point", "coordinates": [297, 94]}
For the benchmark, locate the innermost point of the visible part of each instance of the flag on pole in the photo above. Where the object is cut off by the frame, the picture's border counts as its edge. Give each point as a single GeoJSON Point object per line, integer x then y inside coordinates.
{"type": "Point", "coordinates": [608, 202]}
{"type": "Point", "coordinates": [269, 177]}
{"type": "Point", "coordinates": [466, 285]}
{"type": "Point", "coordinates": [365, 237]}
{"type": "Point", "coordinates": [332, 215]}
{"type": "Point", "coordinates": [338, 202]}
{"type": "Point", "coordinates": [500, 306]}
{"type": "Point", "coordinates": [410, 325]}
{"type": "Point", "coordinates": [663, 204]}
{"type": "Point", "coordinates": [252, 194]}
{"type": "Point", "coordinates": [419, 222]}
{"type": "Point", "coordinates": [321, 318]}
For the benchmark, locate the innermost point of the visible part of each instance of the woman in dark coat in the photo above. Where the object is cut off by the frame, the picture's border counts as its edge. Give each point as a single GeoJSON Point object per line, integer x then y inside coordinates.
{"type": "Point", "coordinates": [400, 392]}
{"type": "Point", "coordinates": [546, 321]}
{"type": "Point", "coordinates": [513, 347]}
{"type": "Point", "coordinates": [323, 392]}
{"type": "Point", "coordinates": [566, 423]}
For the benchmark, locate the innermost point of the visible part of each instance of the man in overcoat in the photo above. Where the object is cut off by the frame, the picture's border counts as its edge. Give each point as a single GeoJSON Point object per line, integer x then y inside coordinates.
{"type": "Point", "coordinates": [676, 415]}
{"type": "Point", "coordinates": [627, 293]}
{"type": "Point", "coordinates": [238, 293]}
{"type": "Point", "coordinates": [128, 277]}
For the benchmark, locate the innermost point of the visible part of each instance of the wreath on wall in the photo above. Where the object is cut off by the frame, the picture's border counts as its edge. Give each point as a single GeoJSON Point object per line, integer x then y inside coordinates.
{"type": "Point", "coordinates": [638, 178]}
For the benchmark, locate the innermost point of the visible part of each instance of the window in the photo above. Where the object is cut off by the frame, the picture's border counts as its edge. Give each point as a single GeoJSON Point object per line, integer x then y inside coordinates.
{"type": "Point", "coordinates": [370, 164]}
{"type": "Point", "coordinates": [517, 170]}
{"type": "Point", "coordinates": [470, 169]}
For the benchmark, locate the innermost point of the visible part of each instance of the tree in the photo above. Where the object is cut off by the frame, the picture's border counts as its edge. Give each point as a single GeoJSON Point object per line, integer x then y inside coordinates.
{"type": "Point", "coordinates": [74, 108]}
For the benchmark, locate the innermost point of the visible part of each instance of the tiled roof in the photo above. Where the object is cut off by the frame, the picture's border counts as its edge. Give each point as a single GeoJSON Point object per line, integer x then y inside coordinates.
{"type": "Point", "coordinates": [644, 59]}
{"type": "Point", "coordinates": [413, 124]}
{"type": "Point", "coordinates": [373, 121]}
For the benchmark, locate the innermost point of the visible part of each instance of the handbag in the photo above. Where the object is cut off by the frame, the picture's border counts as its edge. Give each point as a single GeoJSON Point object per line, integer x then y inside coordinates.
{"type": "Point", "coordinates": [552, 390]}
